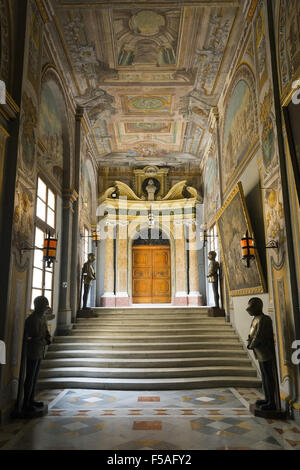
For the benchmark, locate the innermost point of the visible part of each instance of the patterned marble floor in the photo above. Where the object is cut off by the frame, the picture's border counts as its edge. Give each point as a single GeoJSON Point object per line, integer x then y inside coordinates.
{"type": "Point", "coordinates": [212, 419]}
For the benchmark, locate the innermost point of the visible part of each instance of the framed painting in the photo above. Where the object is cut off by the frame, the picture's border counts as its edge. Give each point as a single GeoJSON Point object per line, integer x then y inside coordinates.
{"type": "Point", "coordinates": [292, 115]}
{"type": "Point", "coordinates": [232, 223]}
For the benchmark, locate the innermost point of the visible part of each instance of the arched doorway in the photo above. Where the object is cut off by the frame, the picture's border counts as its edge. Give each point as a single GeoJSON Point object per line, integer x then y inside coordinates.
{"type": "Point", "coordinates": [151, 268]}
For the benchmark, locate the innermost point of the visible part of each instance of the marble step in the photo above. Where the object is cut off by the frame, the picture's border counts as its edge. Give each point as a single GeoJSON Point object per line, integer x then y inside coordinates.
{"type": "Point", "coordinates": [116, 340]}
{"type": "Point", "coordinates": [152, 346]}
{"type": "Point", "coordinates": [144, 316]}
{"type": "Point", "coordinates": [145, 363]}
{"type": "Point", "coordinates": [150, 309]}
{"type": "Point", "coordinates": [131, 373]}
{"type": "Point", "coordinates": [86, 350]}
{"type": "Point", "coordinates": [132, 332]}
{"type": "Point", "coordinates": [153, 323]}
{"type": "Point", "coordinates": [157, 328]}
{"type": "Point", "coordinates": [148, 384]}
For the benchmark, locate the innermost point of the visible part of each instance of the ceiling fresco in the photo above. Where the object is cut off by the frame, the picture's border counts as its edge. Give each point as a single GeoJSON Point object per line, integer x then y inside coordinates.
{"type": "Point", "coordinates": [147, 73]}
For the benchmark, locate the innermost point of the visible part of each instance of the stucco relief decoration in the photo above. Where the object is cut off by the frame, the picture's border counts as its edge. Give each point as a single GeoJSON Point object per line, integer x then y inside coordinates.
{"type": "Point", "coordinates": [29, 125]}
{"type": "Point", "coordinates": [4, 42]}
{"type": "Point", "coordinates": [289, 40]}
{"type": "Point", "coordinates": [89, 72]}
{"type": "Point", "coordinates": [274, 218]}
{"type": "Point", "coordinates": [51, 132]}
{"type": "Point", "coordinates": [23, 217]}
{"type": "Point", "coordinates": [267, 126]}
{"type": "Point", "coordinates": [146, 37]}
{"type": "Point", "coordinates": [240, 123]}
{"type": "Point", "coordinates": [211, 49]}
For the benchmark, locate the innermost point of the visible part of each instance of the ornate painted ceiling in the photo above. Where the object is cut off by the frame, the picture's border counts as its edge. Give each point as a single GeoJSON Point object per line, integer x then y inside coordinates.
{"type": "Point", "coordinates": [147, 73]}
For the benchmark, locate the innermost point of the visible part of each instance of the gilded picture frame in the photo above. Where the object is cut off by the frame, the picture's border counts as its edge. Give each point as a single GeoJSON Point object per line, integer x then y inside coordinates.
{"type": "Point", "coordinates": [232, 223]}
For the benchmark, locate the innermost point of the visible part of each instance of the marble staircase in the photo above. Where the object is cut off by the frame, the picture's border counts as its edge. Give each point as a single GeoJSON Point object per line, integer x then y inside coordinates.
{"type": "Point", "coordinates": [150, 348]}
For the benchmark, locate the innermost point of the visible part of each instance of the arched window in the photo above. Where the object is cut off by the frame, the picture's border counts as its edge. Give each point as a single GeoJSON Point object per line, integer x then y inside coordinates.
{"type": "Point", "coordinates": [45, 222]}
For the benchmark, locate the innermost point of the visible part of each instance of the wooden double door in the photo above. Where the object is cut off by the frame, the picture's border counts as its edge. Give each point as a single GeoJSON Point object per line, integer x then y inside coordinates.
{"type": "Point", "coordinates": [151, 274]}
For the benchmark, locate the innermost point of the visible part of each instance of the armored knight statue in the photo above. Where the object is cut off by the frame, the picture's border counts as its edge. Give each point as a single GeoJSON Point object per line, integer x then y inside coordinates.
{"type": "Point", "coordinates": [36, 337]}
{"type": "Point", "coordinates": [213, 276]}
{"type": "Point", "coordinates": [261, 341]}
{"type": "Point", "coordinates": [88, 274]}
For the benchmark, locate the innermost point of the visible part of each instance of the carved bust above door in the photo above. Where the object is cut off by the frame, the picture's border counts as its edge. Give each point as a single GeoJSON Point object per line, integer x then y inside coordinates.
{"type": "Point", "coordinates": [159, 175]}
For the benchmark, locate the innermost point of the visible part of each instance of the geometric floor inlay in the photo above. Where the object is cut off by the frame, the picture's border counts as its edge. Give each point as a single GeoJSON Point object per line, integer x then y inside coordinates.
{"type": "Point", "coordinates": [210, 419]}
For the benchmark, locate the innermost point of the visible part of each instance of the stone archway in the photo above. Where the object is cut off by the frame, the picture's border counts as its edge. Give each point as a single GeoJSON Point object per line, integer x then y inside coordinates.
{"type": "Point", "coordinates": [151, 267]}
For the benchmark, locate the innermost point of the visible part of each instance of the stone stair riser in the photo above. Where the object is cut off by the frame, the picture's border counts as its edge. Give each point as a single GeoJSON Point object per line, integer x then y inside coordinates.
{"type": "Point", "coordinates": [150, 384]}
{"type": "Point", "coordinates": [144, 363]}
{"type": "Point", "coordinates": [146, 373]}
{"type": "Point", "coordinates": [125, 354]}
{"type": "Point", "coordinates": [148, 349]}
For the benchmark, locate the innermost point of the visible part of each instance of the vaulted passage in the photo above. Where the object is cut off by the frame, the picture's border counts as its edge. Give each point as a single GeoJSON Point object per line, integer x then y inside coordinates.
{"type": "Point", "coordinates": [149, 210]}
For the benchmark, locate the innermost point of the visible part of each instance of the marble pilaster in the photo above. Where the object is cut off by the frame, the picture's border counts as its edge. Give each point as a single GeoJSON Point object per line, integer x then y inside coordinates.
{"type": "Point", "coordinates": [180, 297]}
{"type": "Point", "coordinates": [122, 298]}
{"type": "Point", "coordinates": [194, 296]}
{"type": "Point", "coordinates": [108, 297]}
{"type": "Point", "coordinates": [64, 315]}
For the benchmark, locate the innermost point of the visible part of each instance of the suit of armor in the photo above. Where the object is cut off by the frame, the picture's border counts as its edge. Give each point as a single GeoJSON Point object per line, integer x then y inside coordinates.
{"type": "Point", "coordinates": [88, 276]}
{"type": "Point", "coordinates": [261, 341]}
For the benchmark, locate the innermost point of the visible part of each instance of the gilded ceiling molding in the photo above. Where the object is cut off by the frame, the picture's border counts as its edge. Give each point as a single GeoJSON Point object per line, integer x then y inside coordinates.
{"type": "Point", "coordinates": [252, 10]}
{"type": "Point", "coordinates": [10, 109]}
{"type": "Point", "coordinates": [43, 11]}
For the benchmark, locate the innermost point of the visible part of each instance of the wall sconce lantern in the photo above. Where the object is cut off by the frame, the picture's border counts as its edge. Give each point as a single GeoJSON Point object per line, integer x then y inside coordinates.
{"type": "Point", "coordinates": [248, 246]}
{"type": "Point", "coordinates": [49, 250]}
{"type": "Point", "coordinates": [96, 236]}
{"type": "Point", "coordinates": [204, 237]}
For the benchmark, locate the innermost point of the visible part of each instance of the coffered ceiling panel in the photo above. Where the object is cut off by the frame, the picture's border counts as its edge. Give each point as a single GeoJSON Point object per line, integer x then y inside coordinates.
{"type": "Point", "coordinates": [147, 72]}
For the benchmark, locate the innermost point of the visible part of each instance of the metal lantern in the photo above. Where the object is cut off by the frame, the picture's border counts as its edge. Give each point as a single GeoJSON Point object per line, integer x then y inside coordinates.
{"type": "Point", "coordinates": [96, 236]}
{"type": "Point", "coordinates": [247, 247]}
{"type": "Point", "coordinates": [49, 250]}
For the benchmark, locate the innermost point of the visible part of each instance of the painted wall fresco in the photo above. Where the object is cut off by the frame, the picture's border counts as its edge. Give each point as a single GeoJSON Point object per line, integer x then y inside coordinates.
{"type": "Point", "coordinates": [260, 43]}
{"type": "Point", "coordinates": [288, 41]}
{"type": "Point", "coordinates": [4, 42]}
{"type": "Point", "coordinates": [35, 46]}
{"type": "Point", "coordinates": [51, 129]}
{"type": "Point", "coordinates": [240, 124]}
{"type": "Point", "coordinates": [267, 127]}
{"type": "Point", "coordinates": [211, 186]}
{"type": "Point", "coordinates": [28, 140]}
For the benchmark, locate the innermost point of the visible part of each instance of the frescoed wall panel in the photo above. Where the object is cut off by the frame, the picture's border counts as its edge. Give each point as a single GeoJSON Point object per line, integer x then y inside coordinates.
{"type": "Point", "coordinates": [51, 130]}
{"type": "Point", "coordinates": [240, 124]}
{"type": "Point", "coordinates": [211, 186]}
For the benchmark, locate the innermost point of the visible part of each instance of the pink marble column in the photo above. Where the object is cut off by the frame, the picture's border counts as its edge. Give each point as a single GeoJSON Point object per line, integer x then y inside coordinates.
{"type": "Point", "coordinates": [108, 298]}
{"type": "Point", "coordinates": [194, 296]}
{"type": "Point", "coordinates": [180, 297]}
{"type": "Point", "coordinates": [122, 299]}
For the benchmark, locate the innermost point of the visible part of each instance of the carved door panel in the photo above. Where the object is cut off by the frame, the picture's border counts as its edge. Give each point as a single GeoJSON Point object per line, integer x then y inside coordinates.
{"type": "Point", "coordinates": [141, 275]}
{"type": "Point", "coordinates": [161, 285]}
{"type": "Point", "coordinates": [151, 274]}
